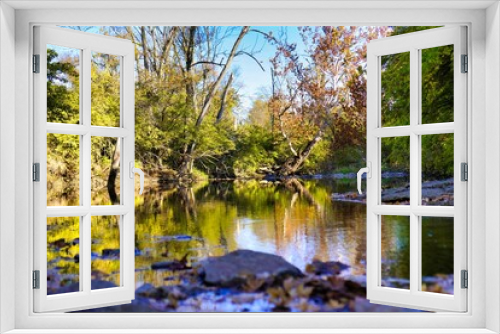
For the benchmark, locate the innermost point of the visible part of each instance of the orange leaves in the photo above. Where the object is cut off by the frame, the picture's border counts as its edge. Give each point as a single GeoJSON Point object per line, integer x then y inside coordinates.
{"type": "Point", "coordinates": [323, 84]}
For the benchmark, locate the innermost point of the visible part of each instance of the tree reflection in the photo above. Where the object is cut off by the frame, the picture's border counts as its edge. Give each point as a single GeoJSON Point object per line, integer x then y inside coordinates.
{"type": "Point", "coordinates": [297, 220]}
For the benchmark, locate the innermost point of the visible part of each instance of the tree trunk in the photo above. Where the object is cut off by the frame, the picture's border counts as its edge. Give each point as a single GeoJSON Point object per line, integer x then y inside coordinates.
{"type": "Point", "coordinates": [113, 173]}
{"type": "Point", "coordinates": [190, 84]}
{"type": "Point", "coordinates": [186, 166]}
{"type": "Point", "coordinates": [223, 102]}
{"type": "Point", "coordinates": [294, 163]}
{"type": "Point", "coordinates": [145, 50]}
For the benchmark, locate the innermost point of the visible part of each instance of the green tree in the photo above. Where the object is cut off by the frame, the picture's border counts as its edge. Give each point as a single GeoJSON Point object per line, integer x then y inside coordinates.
{"type": "Point", "coordinates": [436, 105]}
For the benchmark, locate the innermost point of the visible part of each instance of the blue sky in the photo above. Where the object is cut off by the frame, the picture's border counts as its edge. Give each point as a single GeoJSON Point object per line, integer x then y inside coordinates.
{"type": "Point", "coordinates": [252, 79]}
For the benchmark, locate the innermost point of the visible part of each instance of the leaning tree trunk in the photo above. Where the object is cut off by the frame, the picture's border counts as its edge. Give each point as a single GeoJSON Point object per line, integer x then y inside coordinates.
{"type": "Point", "coordinates": [113, 173]}
{"type": "Point", "coordinates": [295, 162]}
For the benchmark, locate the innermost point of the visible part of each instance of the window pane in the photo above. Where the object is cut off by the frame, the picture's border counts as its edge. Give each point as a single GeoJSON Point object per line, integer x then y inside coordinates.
{"type": "Point", "coordinates": [105, 89]}
{"type": "Point", "coordinates": [105, 171]}
{"type": "Point", "coordinates": [395, 90]}
{"type": "Point", "coordinates": [63, 255]}
{"type": "Point", "coordinates": [395, 170]}
{"type": "Point", "coordinates": [437, 254]}
{"type": "Point", "coordinates": [105, 231]}
{"type": "Point", "coordinates": [395, 251]}
{"type": "Point", "coordinates": [437, 169]}
{"type": "Point", "coordinates": [63, 169]}
{"type": "Point", "coordinates": [437, 84]}
{"type": "Point", "coordinates": [63, 84]}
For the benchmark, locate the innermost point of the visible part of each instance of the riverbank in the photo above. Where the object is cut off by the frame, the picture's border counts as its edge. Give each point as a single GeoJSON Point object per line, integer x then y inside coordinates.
{"type": "Point", "coordinates": [438, 192]}
{"type": "Point", "coordinates": [249, 281]}
{"type": "Point", "coordinates": [171, 176]}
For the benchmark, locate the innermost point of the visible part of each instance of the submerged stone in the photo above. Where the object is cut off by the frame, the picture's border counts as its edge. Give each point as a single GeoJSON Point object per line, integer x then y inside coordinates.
{"type": "Point", "coordinates": [110, 253]}
{"type": "Point", "coordinates": [326, 268]}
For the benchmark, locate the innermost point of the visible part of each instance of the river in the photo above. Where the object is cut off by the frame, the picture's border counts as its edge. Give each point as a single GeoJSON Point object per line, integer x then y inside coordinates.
{"type": "Point", "coordinates": [214, 218]}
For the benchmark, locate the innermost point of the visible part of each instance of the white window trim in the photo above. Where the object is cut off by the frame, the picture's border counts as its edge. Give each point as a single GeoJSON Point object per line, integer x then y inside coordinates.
{"type": "Point", "coordinates": [483, 102]}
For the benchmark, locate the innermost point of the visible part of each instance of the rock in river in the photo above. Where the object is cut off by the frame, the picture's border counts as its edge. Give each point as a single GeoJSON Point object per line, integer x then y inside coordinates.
{"type": "Point", "coordinates": [111, 253]}
{"type": "Point", "coordinates": [170, 265]}
{"type": "Point", "coordinates": [234, 268]}
{"type": "Point", "coordinates": [326, 268]}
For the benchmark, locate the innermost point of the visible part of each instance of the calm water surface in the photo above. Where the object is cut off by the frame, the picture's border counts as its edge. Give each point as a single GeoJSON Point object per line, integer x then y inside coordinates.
{"type": "Point", "coordinates": [298, 223]}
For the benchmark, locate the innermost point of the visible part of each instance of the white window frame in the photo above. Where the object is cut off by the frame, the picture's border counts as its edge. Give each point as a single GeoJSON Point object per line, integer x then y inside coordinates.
{"type": "Point", "coordinates": [413, 44]}
{"type": "Point", "coordinates": [86, 43]}
{"type": "Point", "coordinates": [484, 49]}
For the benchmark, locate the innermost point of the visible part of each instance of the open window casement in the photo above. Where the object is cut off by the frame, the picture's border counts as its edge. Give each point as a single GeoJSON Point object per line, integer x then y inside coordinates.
{"type": "Point", "coordinates": [77, 137]}
{"type": "Point", "coordinates": [412, 128]}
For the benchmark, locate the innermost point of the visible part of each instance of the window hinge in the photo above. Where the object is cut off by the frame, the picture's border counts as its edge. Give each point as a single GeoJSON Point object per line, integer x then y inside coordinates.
{"type": "Point", "coordinates": [36, 172]}
{"type": "Point", "coordinates": [464, 279]}
{"type": "Point", "coordinates": [36, 279]}
{"type": "Point", "coordinates": [36, 63]}
{"type": "Point", "coordinates": [464, 171]}
{"type": "Point", "coordinates": [465, 63]}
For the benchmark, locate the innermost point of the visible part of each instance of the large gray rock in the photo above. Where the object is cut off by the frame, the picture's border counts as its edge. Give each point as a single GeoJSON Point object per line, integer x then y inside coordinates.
{"type": "Point", "coordinates": [236, 267]}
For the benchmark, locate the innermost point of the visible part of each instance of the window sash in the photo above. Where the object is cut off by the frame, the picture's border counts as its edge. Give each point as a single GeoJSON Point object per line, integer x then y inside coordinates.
{"type": "Point", "coordinates": [414, 298]}
{"type": "Point", "coordinates": [86, 297]}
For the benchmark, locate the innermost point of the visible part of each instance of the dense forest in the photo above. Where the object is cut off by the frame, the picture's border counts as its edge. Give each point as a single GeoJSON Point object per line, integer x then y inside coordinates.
{"type": "Point", "coordinates": [310, 120]}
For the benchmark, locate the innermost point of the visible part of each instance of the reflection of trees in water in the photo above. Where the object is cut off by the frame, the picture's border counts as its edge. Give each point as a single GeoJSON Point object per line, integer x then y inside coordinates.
{"type": "Point", "coordinates": [113, 173]}
{"type": "Point", "coordinates": [298, 222]}
{"type": "Point", "coordinates": [286, 217]}
{"type": "Point", "coordinates": [298, 219]}
{"type": "Point", "coordinates": [188, 201]}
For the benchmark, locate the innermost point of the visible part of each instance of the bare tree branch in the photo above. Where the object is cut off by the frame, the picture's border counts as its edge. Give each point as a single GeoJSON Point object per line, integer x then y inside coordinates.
{"type": "Point", "coordinates": [215, 86]}
{"type": "Point", "coordinates": [239, 53]}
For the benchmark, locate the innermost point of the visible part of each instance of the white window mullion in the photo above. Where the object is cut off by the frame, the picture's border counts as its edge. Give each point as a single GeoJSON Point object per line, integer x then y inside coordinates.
{"type": "Point", "coordinates": [433, 129]}
{"type": "Point", "coordinates": [426, 129]}
{"type": "Point", "coordinates": [127, 222]}
{"type": "Point", "coordinates": [108, 210]}
{"type": "Point", "coordinates": [85, 258]}
{"type": "Point", "coordinates": [414, 170]}
{"type": "Point", "coordinates": [85, 160]}
{"type": "Point", "coordinates": [77, 129]}
{"type": "Point", "coordinates": [392, 131]}
{"type": "Point", "coordinates": [81, 271]}
{"type": "Point", "coordinates": [406, 210]}
{"type": "Point", "coordinates": [85, 149]}
{"type": "Point", "coordinates": [373, 184]}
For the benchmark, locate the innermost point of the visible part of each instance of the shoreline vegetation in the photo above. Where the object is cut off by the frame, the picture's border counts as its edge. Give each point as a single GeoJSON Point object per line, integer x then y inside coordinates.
{"type": "Point", "coordinates": [434, 191]}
